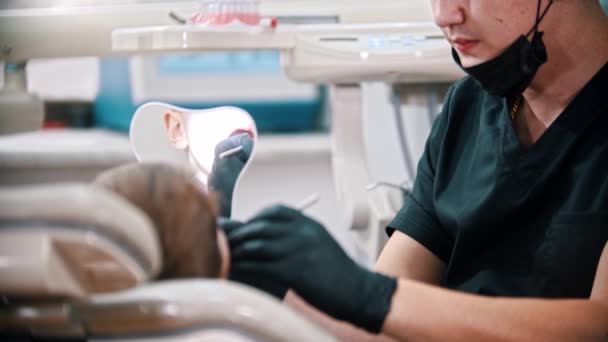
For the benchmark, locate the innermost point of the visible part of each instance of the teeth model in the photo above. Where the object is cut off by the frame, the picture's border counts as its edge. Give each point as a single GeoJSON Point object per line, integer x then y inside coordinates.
{"type": "Point", "coordinates": [227, 12]}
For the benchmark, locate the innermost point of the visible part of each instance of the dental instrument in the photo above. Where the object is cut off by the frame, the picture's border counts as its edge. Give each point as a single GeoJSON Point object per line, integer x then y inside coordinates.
{"type": "Point", "coordinates": [405, 186]}
{"type": "Point", "coordinates": [231, 152]}
{"type": "Point", "coordinates": [308, 202]}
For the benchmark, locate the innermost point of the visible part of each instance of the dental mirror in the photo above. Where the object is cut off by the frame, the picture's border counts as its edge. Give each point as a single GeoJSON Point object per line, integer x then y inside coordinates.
{"type": "Point", "coordinates": [216, 144]}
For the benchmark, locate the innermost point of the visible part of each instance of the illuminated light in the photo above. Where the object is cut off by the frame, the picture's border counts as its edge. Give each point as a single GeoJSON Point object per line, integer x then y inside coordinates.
{"type": "Point", "coordinates": [202, 133]}
{"type": "Point", "coordinates": [364, 55]}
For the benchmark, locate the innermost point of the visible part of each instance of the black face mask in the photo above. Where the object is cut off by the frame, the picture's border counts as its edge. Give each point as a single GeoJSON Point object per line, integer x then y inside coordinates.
{"type": "Point", "coordinates": [510, 73]}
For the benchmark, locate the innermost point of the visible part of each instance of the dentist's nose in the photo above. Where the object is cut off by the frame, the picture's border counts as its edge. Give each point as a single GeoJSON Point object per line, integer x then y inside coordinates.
{"type": "Point", "coordinates": [448, 12]}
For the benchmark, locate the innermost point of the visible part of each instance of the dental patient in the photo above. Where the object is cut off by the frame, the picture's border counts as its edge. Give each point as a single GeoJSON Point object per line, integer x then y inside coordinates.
{"type": "Point", "coordinates": [184, 217]}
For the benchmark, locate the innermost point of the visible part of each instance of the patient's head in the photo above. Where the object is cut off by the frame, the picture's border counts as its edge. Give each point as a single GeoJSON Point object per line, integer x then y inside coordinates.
{"type": "Point", "coordinates": [184, 217]}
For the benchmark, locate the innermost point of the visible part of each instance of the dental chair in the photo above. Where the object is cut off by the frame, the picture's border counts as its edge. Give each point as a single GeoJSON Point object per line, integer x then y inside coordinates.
{"type": "Point", "coordinates": [78, 263]}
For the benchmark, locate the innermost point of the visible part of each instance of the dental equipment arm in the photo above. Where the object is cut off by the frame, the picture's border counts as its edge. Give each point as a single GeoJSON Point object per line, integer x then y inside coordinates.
{"type": "Point", "coordinates": [75, 31]}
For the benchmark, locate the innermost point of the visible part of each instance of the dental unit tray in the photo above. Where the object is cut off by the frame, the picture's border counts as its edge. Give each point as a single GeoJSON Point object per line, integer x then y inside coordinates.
{"type": "Point", "coordinates": [336, 53]}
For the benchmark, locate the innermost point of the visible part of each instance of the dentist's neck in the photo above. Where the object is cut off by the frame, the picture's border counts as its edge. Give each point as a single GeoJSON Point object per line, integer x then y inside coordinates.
{"type": "Point", "coordinates": [577, 48]}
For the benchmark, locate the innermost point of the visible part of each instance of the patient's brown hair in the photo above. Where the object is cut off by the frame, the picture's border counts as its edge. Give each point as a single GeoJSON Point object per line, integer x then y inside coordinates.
{"type": "Point", "coordinates": [184, 217]}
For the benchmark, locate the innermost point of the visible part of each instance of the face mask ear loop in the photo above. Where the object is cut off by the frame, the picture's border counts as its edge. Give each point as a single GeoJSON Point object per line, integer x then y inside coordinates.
{"type": "Point", "coordinates": [539, 17]}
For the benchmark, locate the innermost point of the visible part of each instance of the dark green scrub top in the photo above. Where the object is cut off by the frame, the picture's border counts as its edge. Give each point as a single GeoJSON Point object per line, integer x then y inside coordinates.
{"type": "Point", "coordinates": [509, 220]}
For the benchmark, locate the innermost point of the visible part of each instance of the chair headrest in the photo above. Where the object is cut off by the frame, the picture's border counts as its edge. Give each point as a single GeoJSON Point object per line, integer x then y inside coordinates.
{"type": "Point", "coordinates": [182, 305]}
{"type": "Point", "coordinates": [192, 310]}
{"type": "Point", "coordinates": [72, 240]}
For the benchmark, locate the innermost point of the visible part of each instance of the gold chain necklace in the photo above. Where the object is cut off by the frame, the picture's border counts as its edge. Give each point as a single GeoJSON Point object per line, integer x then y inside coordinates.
{"type": "Point", "coordinates": [515, 109]}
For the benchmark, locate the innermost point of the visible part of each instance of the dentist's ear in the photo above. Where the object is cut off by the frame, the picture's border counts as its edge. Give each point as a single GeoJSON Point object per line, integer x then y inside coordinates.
{"type": "Point", "coordinates": [176, 131]}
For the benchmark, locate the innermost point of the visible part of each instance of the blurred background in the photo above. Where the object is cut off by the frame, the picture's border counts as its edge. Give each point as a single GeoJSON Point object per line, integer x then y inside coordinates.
{"type": "Point", "coordinates": [89, 102]}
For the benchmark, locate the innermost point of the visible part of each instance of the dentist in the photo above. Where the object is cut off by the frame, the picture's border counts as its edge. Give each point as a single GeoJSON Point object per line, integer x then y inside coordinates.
{"type": "Point", "coordinates": [504, 236]}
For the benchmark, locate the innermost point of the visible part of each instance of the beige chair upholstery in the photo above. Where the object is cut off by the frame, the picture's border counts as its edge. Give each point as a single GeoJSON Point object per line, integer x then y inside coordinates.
{"type": "Point", "coordinates": [72, 240]}
{"type": "Point", "coordinates": [179, 306]}
{"type": "Point", "coordinates": [77, 261]}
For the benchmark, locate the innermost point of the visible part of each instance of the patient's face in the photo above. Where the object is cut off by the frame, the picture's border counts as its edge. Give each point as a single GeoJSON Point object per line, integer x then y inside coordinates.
{"type": "Point", "coordinates": [184, 218]}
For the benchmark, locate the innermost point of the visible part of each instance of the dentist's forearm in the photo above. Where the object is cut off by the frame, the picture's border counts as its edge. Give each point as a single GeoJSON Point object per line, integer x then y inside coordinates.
{"type": "Point", "coordinates": [423, 312]}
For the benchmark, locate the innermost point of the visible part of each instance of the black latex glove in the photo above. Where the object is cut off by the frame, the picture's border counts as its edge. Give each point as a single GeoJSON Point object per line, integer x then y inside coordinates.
{"type": "Point", "coordinates": [225, 172]}
{"type": "Point", "coordinates": [290, 248]}
{"type": "Point", "coordinates": [265, 284]}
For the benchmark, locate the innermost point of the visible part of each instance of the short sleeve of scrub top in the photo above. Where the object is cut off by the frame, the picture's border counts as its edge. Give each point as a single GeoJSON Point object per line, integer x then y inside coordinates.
{"type": "Point", "coordinates": [417, 217]}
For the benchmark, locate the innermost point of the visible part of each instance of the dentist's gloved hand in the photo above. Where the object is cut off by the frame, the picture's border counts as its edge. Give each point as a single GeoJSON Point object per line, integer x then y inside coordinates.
{"type": "Point", "coordinates": [290, 248]}
{"type": "Point", "coordinates": [265, 284]}
{"type": "Point", "coordinates": [225, 172]}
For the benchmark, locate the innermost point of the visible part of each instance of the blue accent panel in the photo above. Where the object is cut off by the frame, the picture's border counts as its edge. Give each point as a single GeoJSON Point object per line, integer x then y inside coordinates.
{"type": "Point", "coordinates": [114, 106]}
{"type": "Point", "coordinates": [221, 63]}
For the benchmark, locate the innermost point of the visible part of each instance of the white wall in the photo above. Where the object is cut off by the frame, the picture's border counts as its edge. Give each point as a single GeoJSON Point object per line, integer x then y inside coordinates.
{"type": "Point", "coordinates": [65, 79]}
{"type": "Point", "coordinates": [286, 169]}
